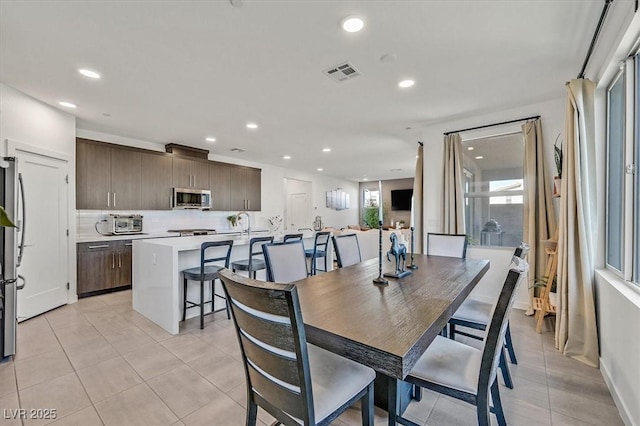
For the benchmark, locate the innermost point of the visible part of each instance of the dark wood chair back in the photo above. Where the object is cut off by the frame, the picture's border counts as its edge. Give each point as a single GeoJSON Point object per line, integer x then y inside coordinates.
{"type": "Point", "coordinates": [347, 249]}
{"type": "Point", "coordinates": [273, 343]}
{"type": "Point", "coordinates": [286, 262]}
{"type": "Point", "coordinates": [495, 333]}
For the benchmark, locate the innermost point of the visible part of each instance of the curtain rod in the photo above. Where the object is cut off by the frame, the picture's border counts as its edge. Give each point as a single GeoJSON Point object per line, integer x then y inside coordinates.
{"type": "Point", "coordinates": [603, 15]}
{"type": "Point", "coordinates": [535, 117]}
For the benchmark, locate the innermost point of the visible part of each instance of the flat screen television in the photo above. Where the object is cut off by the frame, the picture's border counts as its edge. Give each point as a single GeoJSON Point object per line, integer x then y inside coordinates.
{"type": "Point", "coordinates": [401, 199]}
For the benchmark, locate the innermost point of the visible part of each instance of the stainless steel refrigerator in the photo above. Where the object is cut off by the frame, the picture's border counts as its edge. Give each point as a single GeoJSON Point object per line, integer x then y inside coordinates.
{"type": "Point", "coordinates": [11, 249]}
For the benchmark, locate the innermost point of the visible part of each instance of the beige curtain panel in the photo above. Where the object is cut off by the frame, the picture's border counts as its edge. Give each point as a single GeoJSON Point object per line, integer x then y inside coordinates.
{"type": "Point", "coordinates": [453, 193]}
{"type": "Point", "coordinates": [416, 214]}
{"type": "Point", "coordinates": [576, 333]}
{"type": "Point", "coordinates": [539, 216]}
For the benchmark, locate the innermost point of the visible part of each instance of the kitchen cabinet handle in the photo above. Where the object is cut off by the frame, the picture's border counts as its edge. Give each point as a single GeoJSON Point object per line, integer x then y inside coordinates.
{"type": "Point", "coordinates": [248, 204]}
{"type": "Point", "coordinates": [113, 260]}
{"type": "Point", "coordinates": [194, 181]}
{"type": "Point", "coordinates": [128, 244]}
{"type": "Point", "coordinates": [97, 247]}
{"type": "Point", "coordinates": [114, 199]}
{"type": "Point", "coordinates": [108, 199]}
{"type": "Point", "coordinates": [119, 260]}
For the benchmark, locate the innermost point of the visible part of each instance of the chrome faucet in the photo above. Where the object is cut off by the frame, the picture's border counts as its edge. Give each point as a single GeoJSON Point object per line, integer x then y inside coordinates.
{"type": "Point", "coordinates": [248, 223]}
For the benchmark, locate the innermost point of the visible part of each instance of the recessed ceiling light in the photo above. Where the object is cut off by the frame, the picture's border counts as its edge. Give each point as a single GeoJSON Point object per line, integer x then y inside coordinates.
{"type": "Point", "coordinates": [89, 73]}
{"type": "Point", "coordinates": [470, 148]}
{"type": "Point", "coordinates": [416, 156]}
{"type": "Point", "coordinates": [326, 149]}
{"type": "Point", "coordinates": [210, 139]}
{"type": "Point", "coordinates": [365, 179]}
{"type": "Point", "coordinates": [252, 126]}
{"type": "Point", "coordinates": [67, 104]}
{"type": "Point", "coordinates": [479, 157]}
{"type": "Point", "coordinates": [286, 157]}
{"type": "Point", "coordinates": [319, 169]}
{"type": "Point", "coordinates": [406, 83]}
{"type": "Point", "coordinates": [352, 24]}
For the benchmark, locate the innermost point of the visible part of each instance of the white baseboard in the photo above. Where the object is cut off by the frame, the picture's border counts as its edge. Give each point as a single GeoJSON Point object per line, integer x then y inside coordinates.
{"type": "Point", "coordinates": [622, 409]}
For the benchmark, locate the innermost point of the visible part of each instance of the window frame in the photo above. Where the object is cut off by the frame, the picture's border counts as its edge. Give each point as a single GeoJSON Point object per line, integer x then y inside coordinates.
{"type": "Point", "coordinates": [468, 196]}
{"type": "Point", "coordinates": [630, 241]}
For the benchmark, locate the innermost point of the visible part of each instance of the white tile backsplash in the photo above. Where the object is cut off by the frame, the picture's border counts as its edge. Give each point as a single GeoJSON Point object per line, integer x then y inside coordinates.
{"type": "Point", "coordinates": [155, 222]}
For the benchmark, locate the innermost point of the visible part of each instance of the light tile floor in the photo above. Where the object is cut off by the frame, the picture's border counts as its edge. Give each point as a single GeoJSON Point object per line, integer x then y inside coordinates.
{"type": "Point", "coordinates": [99, 362]}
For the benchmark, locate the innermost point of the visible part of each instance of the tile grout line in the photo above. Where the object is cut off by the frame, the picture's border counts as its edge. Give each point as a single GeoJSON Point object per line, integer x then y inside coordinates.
{"type": "Point", "coordinates": [75, 371]}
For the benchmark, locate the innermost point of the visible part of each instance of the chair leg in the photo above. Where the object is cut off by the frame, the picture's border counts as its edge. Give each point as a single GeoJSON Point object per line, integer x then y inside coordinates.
{"type": "Point", "coordinates": [417, 393]}
{"type": "Point", "coordinates": [497, 404]}
{"type": "Point", "coordinates": [509, 344]}
{"type": "Point", "coordinates": [366, 405]}
{"type": "Point", "coordinates": [201, 305]}
{"type": "Point", "coordinates": [452, 331]}
{"type": "Point", "coordinates": [184, 300]}
{"type": "Point", "coordinates": [252, 413]}
{"type": "Point", "coordinates": [504, 367]}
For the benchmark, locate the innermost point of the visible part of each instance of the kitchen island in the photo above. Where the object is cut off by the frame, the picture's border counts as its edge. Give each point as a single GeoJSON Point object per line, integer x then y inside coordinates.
{"type": "Point", "coordinates": [157, 274]}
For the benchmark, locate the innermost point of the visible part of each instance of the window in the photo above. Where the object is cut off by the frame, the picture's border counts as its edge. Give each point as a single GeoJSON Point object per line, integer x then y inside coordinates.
{"type": "Point", "coordinates": [622, 220]}
{"type": "Point", "coordinates": [493, 183]}
{"type": "Point", "coordinates": [615, 173]}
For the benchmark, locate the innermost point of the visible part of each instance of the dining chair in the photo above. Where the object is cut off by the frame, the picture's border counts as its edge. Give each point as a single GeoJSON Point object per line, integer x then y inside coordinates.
{"type": "Point", "coordinates": [464, 372]}
{"type": "Point", "coordinates": [292, 237]}
{"type": "Point", "coordinates": [451, 245]}
{"type": "Point", "coordinates": [320, 246]}
{"type": "Point", "coordinates": [253, 263]}
{"type": "Point", "coordinates": [295, 382]}
{"type": "Point", "coordinates": [286, 262]}
{"type": "Point", "coordinates": [476, 314]}
{"type": "Point", "coordinates": [203, 273]}
{"type": "Point", "coordinates": [347, 249]}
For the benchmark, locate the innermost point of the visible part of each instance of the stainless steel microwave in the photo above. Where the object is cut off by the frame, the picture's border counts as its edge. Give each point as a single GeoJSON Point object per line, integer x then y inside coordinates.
{"type": "Point", "coordinates": [196, 199]}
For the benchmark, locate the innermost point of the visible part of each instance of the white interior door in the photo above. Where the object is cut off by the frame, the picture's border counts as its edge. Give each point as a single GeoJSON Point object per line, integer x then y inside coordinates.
{"type": "Point", "coordinates": [299, 211]}
{"type": "Point", "coordinates": [45, 265]}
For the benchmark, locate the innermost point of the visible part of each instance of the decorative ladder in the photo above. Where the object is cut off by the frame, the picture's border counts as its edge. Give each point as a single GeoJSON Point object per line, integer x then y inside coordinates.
{"type": "Point", "coordinates": [541, 304]}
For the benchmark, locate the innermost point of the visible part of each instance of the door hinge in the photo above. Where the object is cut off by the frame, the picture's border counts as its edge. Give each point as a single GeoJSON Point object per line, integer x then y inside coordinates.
{"type": "Point", "coordinates": [67, 286]}
{"type": "Point", "coordinates": [66, 178]}
{"type": "Point", "coordinates": [67, 232]}
{"type": "Point", "coordinates": [631, 169]}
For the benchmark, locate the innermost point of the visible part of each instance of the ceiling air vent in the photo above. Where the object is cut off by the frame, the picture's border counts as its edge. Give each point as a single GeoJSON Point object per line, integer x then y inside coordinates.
{"type": "Point", "coordinates": [237, 150]}
{"type": "Point", "coordinates": [342, 72]}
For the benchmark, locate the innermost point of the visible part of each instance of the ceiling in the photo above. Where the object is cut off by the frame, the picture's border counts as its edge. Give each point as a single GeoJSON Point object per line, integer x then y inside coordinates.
{"type": "Point", "coordinates": [179, 71]}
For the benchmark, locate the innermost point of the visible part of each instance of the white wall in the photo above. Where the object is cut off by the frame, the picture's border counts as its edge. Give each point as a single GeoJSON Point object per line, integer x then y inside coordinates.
{"type": "Point", "coordinates": [617, 301]}
{"type": "Point", "coordinates": [27, 121]}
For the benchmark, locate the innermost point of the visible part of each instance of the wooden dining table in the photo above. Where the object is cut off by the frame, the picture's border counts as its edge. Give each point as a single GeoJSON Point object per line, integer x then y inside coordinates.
{"type": "Point", "coordinates": [386, 327]}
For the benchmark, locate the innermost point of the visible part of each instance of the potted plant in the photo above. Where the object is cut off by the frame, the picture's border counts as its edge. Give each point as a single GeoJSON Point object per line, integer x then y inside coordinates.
{"type": "Point", "coordinates": [557, 157]}
{"type": "Point", "coordinates": [233, 220]}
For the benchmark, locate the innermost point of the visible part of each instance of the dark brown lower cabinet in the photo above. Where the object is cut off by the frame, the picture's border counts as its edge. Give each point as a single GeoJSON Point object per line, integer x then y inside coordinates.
{"type": "Point", "coordinates": [103, 266]}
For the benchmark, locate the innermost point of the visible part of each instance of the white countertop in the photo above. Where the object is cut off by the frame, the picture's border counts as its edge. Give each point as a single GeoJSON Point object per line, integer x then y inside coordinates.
{"type": "Point", "coordinates": [94, 238]}
{"type": "Point", "coordinates": [194, 243]}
